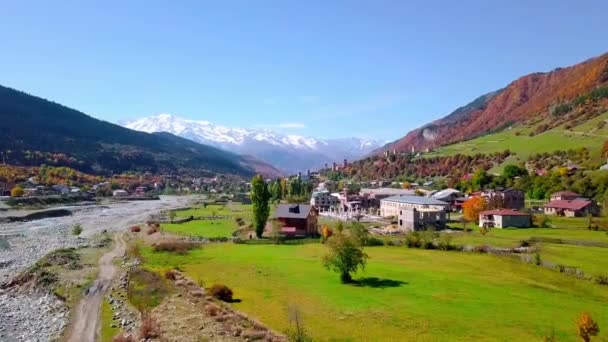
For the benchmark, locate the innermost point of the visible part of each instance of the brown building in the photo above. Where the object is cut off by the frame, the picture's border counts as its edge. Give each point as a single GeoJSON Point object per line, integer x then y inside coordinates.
{"type": "Point", "coordinates": [564, 196]}
{"type": "Point", "coordinates": [297, 219]}
{"type": "Point", "coordinates": [508, 198]}
{"type": "Point", "coordinates": [575, 208]}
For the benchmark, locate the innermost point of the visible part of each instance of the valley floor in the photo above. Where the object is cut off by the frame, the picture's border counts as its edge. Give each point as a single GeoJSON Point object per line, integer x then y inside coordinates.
{"type": "Point", "coordinates": [403, 294]}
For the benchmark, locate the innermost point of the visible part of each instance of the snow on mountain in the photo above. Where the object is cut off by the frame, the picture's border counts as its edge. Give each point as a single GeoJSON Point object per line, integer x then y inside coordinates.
{"type": "Point", "coordinates": [291, 153]}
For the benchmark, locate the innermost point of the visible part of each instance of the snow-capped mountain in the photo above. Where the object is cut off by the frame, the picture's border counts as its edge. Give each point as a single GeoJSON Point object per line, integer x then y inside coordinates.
{"type": "Point", "coordinates": [291, 153]}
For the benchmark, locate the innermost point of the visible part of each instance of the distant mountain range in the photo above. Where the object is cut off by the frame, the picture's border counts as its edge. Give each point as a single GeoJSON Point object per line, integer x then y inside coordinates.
{"type": "Point", "coordinates": [564, 96]}
{"type": "Point", "coordinates": [36, 131]}
{"type": "Point", "coordinates": [291, 153]}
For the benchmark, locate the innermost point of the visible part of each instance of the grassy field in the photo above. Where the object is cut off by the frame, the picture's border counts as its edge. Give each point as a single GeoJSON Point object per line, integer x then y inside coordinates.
{"type": "Point", "coordinates": [592, 260]}
{"type": "Point", "coordinates": [223, 227]}
{"type": "Point", "coordinates": [517, 141]}
{"type": "Point", "coordinates": [406, 294]}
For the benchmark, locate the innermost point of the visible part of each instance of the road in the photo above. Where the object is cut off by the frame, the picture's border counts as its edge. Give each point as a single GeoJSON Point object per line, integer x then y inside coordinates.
{"type": "Point", "coordinates": [86, 323]}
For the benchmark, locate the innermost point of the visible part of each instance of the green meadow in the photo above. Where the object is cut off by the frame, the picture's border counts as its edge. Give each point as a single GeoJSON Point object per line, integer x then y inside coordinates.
{"type": "Point", "coordinates": [223, 227]}
{"type": "Point", "coordinates": [403, 294]}
{"type": "Point", "coordinates": [518, 141]}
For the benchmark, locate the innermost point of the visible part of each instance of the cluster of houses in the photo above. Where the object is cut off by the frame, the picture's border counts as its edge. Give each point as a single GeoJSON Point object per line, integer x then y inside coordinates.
{"type": "Point", "coordinates": [419, 209]}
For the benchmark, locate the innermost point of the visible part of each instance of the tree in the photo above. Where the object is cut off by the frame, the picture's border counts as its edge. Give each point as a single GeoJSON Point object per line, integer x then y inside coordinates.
{"type": "Point", "coordinates": [472, 207]}
{"type": "Point", "coordinates": [586, 327]}
{"type": "Point", "coordinates": [326, 233]}
{"type": "Point", "coordinates": [406, 185]}
{"type": "Point", "coordinates": [479, 179]}
{"type": "Point", "coordinates": [17, 191]}
{"type": "Point", "coordinates": [511, 171]}
{"type": "Point", "coordinates": [259, 198]}
{"type": "Point", "coordinates": [345, 255]}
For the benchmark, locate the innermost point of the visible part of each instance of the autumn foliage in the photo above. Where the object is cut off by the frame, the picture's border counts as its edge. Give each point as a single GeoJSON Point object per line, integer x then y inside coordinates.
{"type": "Point", "coordinates": [586, 327]}
{"type": "Point", "coordinates": [326, 232]}
{"type": "Point", "coordinates": [17, 191]}
{"type": "Point", "coordinates": [472, 207]}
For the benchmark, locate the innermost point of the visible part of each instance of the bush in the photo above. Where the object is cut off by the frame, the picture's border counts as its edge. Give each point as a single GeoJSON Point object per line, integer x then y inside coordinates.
{"type": "Point", "coordinates": [445, 242]}
{"type": "Point", "coordinates": [149, 328]}
{"type": "Point", "coordinates": [135, 229]}
{"type": "Point", "coordinates": [77, 230]}
{"type": "Point", "coordinates": [17, 191]}
{"type": "Point", "coordinates": [586, 327]}
{"type": "Point", "coordinates": [176, 246]}
{"type": "Point", "coordinates": [212, 310]}
{"type": "Point", "coordinates": [412, 240]}
{"type": "Point", "coordinates": [153, 229]}
{"type": "Point", "coordinates": [374, 241]}
{"type": "Point", "coordinates": [481, 249]}
{"type": "Point", "coordinates": [171, 274]}
{"type": "Point", "coordinates": [601, 279]}
{"type": "Point", "coordinates": [537, 260]}
{"type": "Point", "coordinates": [221, 292]}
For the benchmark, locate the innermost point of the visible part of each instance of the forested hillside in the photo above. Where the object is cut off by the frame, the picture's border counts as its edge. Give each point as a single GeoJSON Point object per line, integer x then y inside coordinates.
{"type": "Point", "coordinates": [36, 131]}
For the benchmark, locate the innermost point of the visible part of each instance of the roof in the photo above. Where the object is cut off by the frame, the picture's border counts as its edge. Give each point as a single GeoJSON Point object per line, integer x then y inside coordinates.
{"type": "Point", "coordinates": [503, 212]}
{"type": "Point", "coordinates": [415, 200]}
{"type": "Point", "coordinates": [445, 193]}
{"type": "Point", "coordinates": [576, 204]}
{"type": "Point", "coordinates": [565, 193]}
{"type": "Point", "coordinates": [298, 211]}
{"type": "Point", "coordinates": [387, 191]}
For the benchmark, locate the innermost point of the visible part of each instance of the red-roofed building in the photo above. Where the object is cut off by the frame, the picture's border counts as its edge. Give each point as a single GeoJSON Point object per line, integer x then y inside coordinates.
{"type": "Point", "coordinates": [501, 218]}
{"type": "Point", "coordinates": [574, 208]}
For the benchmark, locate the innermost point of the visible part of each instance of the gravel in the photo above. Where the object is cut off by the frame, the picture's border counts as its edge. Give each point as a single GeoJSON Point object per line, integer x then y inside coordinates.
{"type": "Point", "coordinates": [35, 316]}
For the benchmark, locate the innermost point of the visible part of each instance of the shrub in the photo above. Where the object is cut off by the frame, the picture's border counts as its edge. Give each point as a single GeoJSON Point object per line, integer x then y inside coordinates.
{"type": "Point", "coordinates": [171, 274]}
{"type": "Point", "coordinates": [483, 230]}
{"type": "Point", "coordinates": [77, 230]}
{"type": "Point", "coordinates": [412, 240]}
{"type": "Point", "coordinates": [149, 328]}
{"type": "Point", "coordinates": [176, 246]}
{"type": "Point", "coordinates": [586, 327]}
{"type": "Point", "coordinates": [153, 230]}
{"type": "Point", "coordinates": [135, 229]}
{"type": "Point", "coordinates": [221, 292]}
{"type": "Point", "coordinates": [374, 241]}
{"type": "Point", "coordinates": [601, 279]}
{"type": "Point", "coordinates": [445, 241]}
{"type": "Point", "coordinates": [537, 260]}
{"type": "Point", "coordinates": [17, 191]}
{"type": "Point", "coordinates": [481, 249]}
{"type": "Point", "coordinates": [212, 310]}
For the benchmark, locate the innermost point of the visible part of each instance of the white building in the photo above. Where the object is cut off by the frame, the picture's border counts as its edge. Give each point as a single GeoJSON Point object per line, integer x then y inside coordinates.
{"type": "Point", "coordinates": [120, 193]}
{"type": "Point", "coordinates": [392, 206]}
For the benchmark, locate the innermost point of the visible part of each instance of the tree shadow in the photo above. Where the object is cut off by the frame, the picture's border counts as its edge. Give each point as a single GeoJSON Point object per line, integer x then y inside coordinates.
{"type": "Point", "coordinates": [376, 282]}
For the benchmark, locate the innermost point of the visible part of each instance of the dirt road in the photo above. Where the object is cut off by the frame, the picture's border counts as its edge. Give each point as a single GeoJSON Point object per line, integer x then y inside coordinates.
{"type": "Point", "coordinates": [86, 324]}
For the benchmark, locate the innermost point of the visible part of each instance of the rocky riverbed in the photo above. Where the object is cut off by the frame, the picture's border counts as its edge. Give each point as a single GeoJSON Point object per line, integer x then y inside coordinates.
{"type": "Point", "coordinates": [36, 316]}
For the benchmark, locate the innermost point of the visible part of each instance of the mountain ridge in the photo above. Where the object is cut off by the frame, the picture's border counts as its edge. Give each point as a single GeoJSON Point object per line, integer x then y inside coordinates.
{"type": "Point", "coordinates": [39, 131]}
{"type": "Point", "coordinates": [527, 98]}
{"type": "Point", "coordinates": [289, 152]}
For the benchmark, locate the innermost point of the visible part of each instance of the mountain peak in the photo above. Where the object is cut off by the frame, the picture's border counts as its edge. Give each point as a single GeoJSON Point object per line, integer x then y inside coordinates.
{"type": "Point", "coordinates": [289, 152]}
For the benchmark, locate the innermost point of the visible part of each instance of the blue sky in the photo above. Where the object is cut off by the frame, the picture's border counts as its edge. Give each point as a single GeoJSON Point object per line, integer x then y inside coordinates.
{"type": "Point", "coordinates": [374, 69]}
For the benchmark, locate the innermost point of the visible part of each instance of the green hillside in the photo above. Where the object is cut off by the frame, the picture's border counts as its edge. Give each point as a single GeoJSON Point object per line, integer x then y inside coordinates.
{"type": "Point", "coordinates": [517, 139]}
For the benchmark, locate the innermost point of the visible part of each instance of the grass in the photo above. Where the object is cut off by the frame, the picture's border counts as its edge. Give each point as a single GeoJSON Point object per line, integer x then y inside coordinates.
{"type": "Point", "coordinates": [592, 260]}
{"type": "Point", "coordinates": [107, 332]}
{"type": "Point", "coordinates": [232, 209]}
{"type": "Point", "coordinates": [522, 145]}
{"type": "Point", "coordinates": [407, 294]}
{"type": "Point", "coordinates": [203, 228]}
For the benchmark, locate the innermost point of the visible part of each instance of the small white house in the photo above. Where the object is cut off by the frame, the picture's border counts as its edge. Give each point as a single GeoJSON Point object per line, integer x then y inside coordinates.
{"type": "Point", "coordinates": [120, 193]}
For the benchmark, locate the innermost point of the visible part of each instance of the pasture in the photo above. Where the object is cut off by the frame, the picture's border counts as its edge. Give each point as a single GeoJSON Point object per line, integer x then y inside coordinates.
{"type": "Point", "coordinates": [403, 294]}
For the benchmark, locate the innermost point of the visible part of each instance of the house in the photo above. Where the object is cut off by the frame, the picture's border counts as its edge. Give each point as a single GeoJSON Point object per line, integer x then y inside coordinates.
{"type": "Point", "coordinates": [447, 195]}
{"type": "Point", "coordinates": [140, 191]}
{"type": "Point", "coordinates": [501, 218]}
{"type": "Point", "coordinates": [323, 200]}
{"type": "Point", "coordinates": [509, 198]}
{"type": "Point", "coordinates": [419, 219]}
{"type": "Point", "coordinates": [297, 219]}
{"type": "Point", "coordinates": [394, 205]}
{"type": "Point", "coordinates": [564, 196]}
{"type": "Point", "coordinates": [120, 193]}
{"type": "Point", "coordinates": [371, 197]}
{"type": "Point", "coordinates": [574, 208]}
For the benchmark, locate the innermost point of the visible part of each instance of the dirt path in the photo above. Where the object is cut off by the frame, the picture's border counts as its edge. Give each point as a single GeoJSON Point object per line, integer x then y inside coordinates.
{"type": "Point", "coordinates": [86, 320]}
